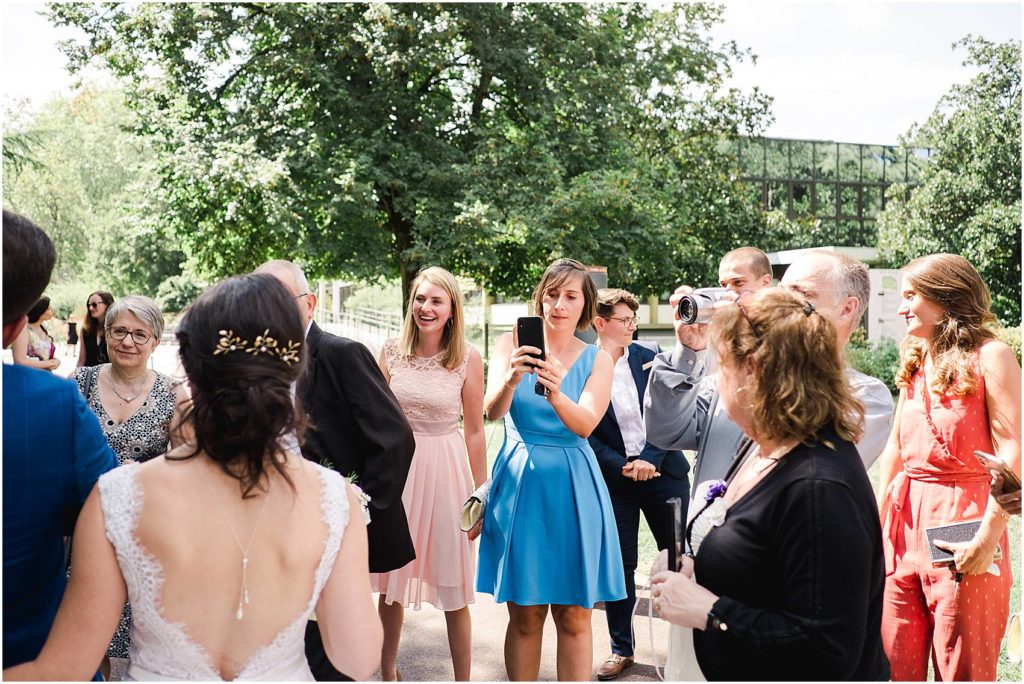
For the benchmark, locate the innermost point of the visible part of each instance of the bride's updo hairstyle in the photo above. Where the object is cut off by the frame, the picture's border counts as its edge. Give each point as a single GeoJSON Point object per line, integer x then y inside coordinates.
{"type": "Point", "coordinates": [240, 345]}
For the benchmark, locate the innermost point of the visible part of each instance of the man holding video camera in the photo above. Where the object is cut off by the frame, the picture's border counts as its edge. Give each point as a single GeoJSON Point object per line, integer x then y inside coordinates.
{"type": "Point", "coordinates": [682, 409]}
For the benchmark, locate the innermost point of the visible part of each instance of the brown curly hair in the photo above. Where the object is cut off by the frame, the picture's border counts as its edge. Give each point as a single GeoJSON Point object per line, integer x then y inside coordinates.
{"type": "Point", "coordinates": [948, 281]}
{"type": "Point", "coordinates": [798, 384]}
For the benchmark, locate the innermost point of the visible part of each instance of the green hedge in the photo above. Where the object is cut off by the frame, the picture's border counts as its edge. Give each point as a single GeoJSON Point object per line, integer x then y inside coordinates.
{"type": "Point", "coordinates": [877, 360]}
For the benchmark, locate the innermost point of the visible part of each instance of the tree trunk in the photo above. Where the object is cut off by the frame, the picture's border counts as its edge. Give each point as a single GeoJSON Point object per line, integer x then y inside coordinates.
{"type": "Point", "coordinates": [401, 228]}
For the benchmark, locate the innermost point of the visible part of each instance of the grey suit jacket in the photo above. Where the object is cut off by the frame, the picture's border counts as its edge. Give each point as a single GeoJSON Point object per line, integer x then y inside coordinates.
{"type": "Point", "coordinates": [682, 411]}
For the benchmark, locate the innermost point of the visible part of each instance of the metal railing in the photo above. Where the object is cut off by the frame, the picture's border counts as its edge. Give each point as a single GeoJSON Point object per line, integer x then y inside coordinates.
{"type": "Point", "coordinates": [369, 326]}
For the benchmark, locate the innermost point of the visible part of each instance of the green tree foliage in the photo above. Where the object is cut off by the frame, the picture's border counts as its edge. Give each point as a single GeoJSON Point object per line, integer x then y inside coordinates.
{"type": "Point", "coordinates": [970, 199]}
{"type": "Point", "coordinates": [79, 172]}
{"type": "Point", "coordinates": [371, 140]}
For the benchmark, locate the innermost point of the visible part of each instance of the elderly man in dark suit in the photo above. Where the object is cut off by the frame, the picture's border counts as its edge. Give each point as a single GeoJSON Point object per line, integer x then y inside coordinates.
{"type": "Point", "coordinates": [640, 476]}
{"type": "Point", "coordinates": [357, 428]}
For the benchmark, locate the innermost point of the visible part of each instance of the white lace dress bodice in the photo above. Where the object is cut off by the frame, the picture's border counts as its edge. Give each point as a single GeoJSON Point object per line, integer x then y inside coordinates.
{"type": "Point", "coordinates": [162, 650]}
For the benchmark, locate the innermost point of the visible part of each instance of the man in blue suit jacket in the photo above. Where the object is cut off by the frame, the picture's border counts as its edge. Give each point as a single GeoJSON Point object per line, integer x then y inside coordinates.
{"type": "Point", "coordinates": [640, 476]}
{"type": "Point", "coordinates": [53, 453]}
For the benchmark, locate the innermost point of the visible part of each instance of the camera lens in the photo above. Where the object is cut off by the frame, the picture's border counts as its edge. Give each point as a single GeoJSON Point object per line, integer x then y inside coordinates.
{"type": "Point", "coordinates": [688, 309]}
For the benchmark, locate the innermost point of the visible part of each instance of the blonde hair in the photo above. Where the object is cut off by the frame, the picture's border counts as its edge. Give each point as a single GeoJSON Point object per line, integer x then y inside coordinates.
{"type": "Point", "coordinates": [948, 281]}
{"type": "Point", "coordinates": [797, 385]}
{"type": "Point", "coordinates": [556, 275]}
{"type": "Point", "coordinates": [453, 338]}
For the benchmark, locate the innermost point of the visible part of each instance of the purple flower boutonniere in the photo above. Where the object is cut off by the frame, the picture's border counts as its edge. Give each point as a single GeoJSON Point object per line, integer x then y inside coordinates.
{"type": "Point", "coordinates": [716, 489]}
{"type": "Point", "coordinates": [713, 513]}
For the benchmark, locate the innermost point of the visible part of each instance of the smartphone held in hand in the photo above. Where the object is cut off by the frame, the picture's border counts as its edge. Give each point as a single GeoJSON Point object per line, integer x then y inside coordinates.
{"type": "Point", "coordinates": [530, 333]}
{"type": "Point", "coordinates": [675, 546]}
{"type": "Point", "coordinates": [997, 466]}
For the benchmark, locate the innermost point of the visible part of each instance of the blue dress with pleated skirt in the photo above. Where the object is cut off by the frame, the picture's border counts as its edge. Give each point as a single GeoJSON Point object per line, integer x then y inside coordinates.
{"type": "Point", "coordinates": [549, 534]}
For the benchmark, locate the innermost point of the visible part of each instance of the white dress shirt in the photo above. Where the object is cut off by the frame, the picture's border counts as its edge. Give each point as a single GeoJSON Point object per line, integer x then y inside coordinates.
{"type": "Point", "coordinates": [626, 403]}
{"type": "Point", "coordinates": [878, 413]}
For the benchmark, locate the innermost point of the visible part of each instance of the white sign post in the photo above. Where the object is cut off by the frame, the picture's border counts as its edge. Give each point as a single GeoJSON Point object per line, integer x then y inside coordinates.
{"type": "Point", "coordinates": [883, 323]}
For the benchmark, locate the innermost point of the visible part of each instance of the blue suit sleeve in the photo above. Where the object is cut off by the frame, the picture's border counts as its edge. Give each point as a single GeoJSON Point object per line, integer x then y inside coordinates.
{"type": "Point", "coordinates": [653, 455]}
{"type": "Point", "coordinates": [610, 460]}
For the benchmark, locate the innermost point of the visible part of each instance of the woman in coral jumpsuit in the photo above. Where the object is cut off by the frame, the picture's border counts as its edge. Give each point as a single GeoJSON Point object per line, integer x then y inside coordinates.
{"type": "Point", "coordinates": [960, 391]}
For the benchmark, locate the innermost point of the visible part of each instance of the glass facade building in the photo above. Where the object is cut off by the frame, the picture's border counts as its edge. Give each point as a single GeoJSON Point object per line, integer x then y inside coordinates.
{"type": "Point", "coordinates": [841, 185]}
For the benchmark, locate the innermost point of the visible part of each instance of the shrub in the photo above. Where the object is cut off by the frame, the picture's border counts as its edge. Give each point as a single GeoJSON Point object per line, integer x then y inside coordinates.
{"type": "Point", "coordinates": [879, 360]}
{"type": "Point", "coordinates": [177, 292]}
{"type": "Point", "coordinates": [69, 297]}
{"type": "Point", "coordinates": [1011, 336]}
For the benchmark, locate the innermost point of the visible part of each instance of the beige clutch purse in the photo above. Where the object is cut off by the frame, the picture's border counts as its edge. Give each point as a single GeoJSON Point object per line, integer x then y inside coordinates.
{"type": "Point", "coordinates": [473, 509]}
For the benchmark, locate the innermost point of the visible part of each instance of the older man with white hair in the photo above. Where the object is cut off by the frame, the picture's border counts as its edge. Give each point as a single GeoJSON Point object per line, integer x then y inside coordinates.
{"type": "Point", "coordinates": [681, 409]}
{"type": "Point", "coordinates": [838, 286]}
{"type": "Point", "coordinates": [357, 427]}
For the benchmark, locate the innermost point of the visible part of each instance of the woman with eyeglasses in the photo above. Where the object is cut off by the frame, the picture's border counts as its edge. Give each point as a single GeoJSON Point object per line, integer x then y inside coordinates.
{"type": "Point", "coordinates": [137, 407]}
{"type": "Point", "coordinates": [640, 476]}
{"type": "Point", "coordinates": [93, 350]}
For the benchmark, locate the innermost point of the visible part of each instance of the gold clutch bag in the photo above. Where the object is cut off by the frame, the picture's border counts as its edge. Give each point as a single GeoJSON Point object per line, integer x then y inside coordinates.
{"type": "Point", "coordinates": [473, 509]}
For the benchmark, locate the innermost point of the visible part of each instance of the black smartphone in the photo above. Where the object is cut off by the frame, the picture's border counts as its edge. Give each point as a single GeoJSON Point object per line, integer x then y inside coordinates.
{"type": "Point", "coordinates": [530, 333]}
{"type": "Point", "coordinates": [675, 521]}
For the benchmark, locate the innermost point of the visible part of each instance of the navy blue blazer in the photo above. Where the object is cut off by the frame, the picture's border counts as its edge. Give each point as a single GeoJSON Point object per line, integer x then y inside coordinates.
{"type": "Point", "coordinates": [606, 439]}
{"type": "Point", "coordinates": [53, 452]}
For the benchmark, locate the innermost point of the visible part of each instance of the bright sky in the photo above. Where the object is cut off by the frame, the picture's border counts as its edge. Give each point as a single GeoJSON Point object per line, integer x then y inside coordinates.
{"type": "Point", "coordinates": [854, 71]}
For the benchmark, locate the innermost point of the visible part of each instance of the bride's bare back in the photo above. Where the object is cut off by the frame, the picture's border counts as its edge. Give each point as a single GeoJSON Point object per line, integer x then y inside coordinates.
{"type": "Point", "coordinates": [190, 509]}
{"type": "Point", "coordinates": [161, 531]}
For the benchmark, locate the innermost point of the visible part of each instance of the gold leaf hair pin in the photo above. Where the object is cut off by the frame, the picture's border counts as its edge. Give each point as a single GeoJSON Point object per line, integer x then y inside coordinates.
{"type": "Point", "coordinates": [263, 344]}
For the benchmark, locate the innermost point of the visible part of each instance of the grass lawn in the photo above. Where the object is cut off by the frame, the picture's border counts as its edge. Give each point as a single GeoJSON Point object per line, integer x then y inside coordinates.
{"type": "Point", "coordinates": [1008, 671]}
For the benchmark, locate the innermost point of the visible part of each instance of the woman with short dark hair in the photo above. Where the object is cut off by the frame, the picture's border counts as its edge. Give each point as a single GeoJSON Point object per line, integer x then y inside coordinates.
{"type": "Point", "coordinates": [203, 540]}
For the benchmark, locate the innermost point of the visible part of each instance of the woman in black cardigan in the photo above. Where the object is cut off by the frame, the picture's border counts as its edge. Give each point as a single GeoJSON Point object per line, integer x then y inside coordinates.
{"type": "Point", "coordinates": [786, 575]}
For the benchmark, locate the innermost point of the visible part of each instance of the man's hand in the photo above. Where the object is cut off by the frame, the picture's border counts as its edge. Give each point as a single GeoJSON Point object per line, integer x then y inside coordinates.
{"type": "Point", "coordinates": [691, 336]}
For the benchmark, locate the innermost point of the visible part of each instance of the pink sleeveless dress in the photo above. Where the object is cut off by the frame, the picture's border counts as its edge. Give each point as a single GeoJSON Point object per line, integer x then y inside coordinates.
{"type": "Point", "coordinates": [438, 485]}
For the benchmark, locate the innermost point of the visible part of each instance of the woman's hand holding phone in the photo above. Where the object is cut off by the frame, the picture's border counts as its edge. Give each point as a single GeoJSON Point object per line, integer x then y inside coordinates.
{"type": "Point", "coordinates": [550, 373]}
{"type": "Point", "coordinates": [521, 361]}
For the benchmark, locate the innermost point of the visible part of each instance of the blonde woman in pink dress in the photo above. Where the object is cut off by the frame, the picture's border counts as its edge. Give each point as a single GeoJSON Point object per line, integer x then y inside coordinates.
{"type": "Point", "coordinates": [437, 378]}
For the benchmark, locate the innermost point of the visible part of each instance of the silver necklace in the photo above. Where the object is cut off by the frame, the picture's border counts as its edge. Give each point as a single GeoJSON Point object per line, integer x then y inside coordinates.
{"type": "Point", "coordinates": [127, 400]}
{"type": "Point", "coordinates": [243, 594]}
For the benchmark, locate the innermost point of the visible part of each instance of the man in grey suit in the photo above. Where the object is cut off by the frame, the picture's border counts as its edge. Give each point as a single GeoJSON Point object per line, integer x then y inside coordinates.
{"type": "Point", "coordinates": [681, 407]}
{"type": "Point", "coordinates": [682, 410]}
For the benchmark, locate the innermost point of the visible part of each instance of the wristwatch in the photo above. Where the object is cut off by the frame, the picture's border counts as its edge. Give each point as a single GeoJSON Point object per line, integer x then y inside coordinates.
{"type": "Point", "coordinates": [715, 623]}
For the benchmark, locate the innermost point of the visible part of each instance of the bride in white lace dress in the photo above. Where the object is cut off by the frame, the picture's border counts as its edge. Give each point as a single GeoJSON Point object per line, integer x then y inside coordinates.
{"type": "Point", "coordinates": [227, 545]}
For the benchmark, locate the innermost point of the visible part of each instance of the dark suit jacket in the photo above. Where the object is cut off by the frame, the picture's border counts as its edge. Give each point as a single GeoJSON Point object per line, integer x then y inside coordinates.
{"type": "Point", "coordinates": [359, 428]}
{"type": "Point", "coordinates": [606, 439]}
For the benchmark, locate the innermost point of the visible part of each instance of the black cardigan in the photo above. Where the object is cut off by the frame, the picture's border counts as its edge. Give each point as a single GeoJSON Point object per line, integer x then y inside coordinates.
{"type": "Point", "coordinates": [798, 567]}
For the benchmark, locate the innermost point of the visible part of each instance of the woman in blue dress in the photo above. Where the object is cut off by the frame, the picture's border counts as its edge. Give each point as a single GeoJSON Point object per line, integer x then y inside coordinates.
{"type": "Point", "coordinates": [549, 535]}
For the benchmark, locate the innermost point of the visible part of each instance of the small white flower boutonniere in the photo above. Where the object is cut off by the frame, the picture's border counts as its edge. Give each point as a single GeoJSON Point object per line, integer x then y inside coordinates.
{"type": "Point", "coordinates": [362, 497]}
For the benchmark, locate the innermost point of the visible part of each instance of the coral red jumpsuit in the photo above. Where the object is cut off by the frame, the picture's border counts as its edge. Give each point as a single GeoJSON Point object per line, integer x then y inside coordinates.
{"type": "Point", "coordinates": [941, 482]}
